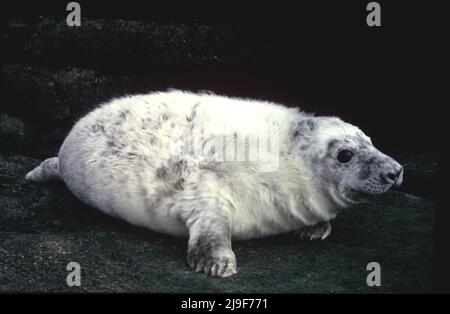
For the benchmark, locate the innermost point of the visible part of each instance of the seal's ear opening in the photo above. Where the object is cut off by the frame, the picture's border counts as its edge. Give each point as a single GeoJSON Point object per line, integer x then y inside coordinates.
{"type": "Point", "coordinates": [304, 127]}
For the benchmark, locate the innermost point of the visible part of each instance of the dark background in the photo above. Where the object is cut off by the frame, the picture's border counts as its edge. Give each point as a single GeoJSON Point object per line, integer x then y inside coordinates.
{"type": "Point", "coordinates": [321, 57]}
{"type": "Point", "coordinates": [317, 55]}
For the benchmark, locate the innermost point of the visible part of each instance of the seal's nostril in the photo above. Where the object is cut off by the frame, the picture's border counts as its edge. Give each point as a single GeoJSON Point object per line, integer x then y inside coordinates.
{"type": "Point", "coordinates": [392, 176]}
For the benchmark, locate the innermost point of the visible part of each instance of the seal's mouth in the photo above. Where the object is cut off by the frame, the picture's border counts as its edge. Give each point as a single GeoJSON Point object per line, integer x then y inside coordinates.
{"type": "Point", "coordinates": [349, 196]}
{"type": "Point", "coordinates": [356, 196]}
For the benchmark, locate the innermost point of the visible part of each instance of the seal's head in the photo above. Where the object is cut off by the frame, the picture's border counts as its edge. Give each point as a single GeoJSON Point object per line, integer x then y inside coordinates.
{"type": "Point", "coordinates": [344, 161]}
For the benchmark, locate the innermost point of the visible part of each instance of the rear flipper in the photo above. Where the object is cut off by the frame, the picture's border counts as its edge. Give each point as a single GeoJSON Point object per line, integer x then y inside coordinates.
{"type": "Point", "coordinates": [48, 170]}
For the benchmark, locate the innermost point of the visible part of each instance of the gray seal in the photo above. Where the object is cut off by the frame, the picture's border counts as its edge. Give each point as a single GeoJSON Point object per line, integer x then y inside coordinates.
{"type": "Point", "coordinates": [134, 158]}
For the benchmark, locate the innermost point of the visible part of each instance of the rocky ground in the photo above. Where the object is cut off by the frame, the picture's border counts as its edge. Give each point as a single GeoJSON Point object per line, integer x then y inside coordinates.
{"type": "Point", "coordinates": [53, 74]}
{"type": "Point", "coordinates": [43, 228]}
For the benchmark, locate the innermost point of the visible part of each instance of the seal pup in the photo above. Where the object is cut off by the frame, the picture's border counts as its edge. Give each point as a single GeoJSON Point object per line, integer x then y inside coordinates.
{"type": "Point", "coordinates": [133, 159]}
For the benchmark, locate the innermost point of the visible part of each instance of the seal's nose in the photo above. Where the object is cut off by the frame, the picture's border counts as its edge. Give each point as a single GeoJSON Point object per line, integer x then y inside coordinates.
{"type": "Point", "coordinates": [392, 174]}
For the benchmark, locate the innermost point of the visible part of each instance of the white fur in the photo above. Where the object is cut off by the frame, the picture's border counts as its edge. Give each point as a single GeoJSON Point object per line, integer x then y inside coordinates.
{"type": "Point", "coordinates": [132, 158]}
{"type": "Point", "coordinates": [130, 189]}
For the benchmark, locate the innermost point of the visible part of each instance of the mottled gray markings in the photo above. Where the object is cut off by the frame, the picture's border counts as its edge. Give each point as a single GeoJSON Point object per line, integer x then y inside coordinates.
{"type": "Point", "coordinates": [123, 114]}
{"type": "Point", "coordinates": [304, 126]}
{"type": "Point", "coordinates": [332, 144]}
{"type": "Point", "coordinates": [304, 147]}
{"type": "Point", "coordinates": [161, 172]}
{"type": "Point", "coordinates": [98, 128]}
{"type": "Point", "coordinates": [122, 117]}
{"type": "Point", "coordinates": [180, 166]}
{"type": "Point", "coordinates": [179, 185]}
{"type": "Point", "coordinates": [191, 117]}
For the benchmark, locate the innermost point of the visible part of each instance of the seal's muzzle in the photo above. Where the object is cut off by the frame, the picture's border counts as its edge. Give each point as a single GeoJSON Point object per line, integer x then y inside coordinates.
{"type": "Point", "coordinates": [392, 173]}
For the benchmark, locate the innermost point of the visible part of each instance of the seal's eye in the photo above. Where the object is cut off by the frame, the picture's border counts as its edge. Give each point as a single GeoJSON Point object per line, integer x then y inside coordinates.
{"type": "Point", "coordinates": [344, 156]}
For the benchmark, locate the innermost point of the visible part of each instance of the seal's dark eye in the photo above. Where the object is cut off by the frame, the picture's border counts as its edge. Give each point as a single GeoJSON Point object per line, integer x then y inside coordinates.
{"type": "Point", "coordinates": [344, 156]}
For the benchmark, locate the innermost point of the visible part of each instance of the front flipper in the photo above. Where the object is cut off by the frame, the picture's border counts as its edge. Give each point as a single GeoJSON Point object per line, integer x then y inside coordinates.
{"type": "Point", "coordinates": [209, 248]}
{"type": "Point", "coordinates": [320, 230]}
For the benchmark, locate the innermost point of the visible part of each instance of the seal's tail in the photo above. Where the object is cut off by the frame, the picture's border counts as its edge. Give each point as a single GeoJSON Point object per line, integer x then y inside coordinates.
{"type": "Point", "coordinates": [48, 170]}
